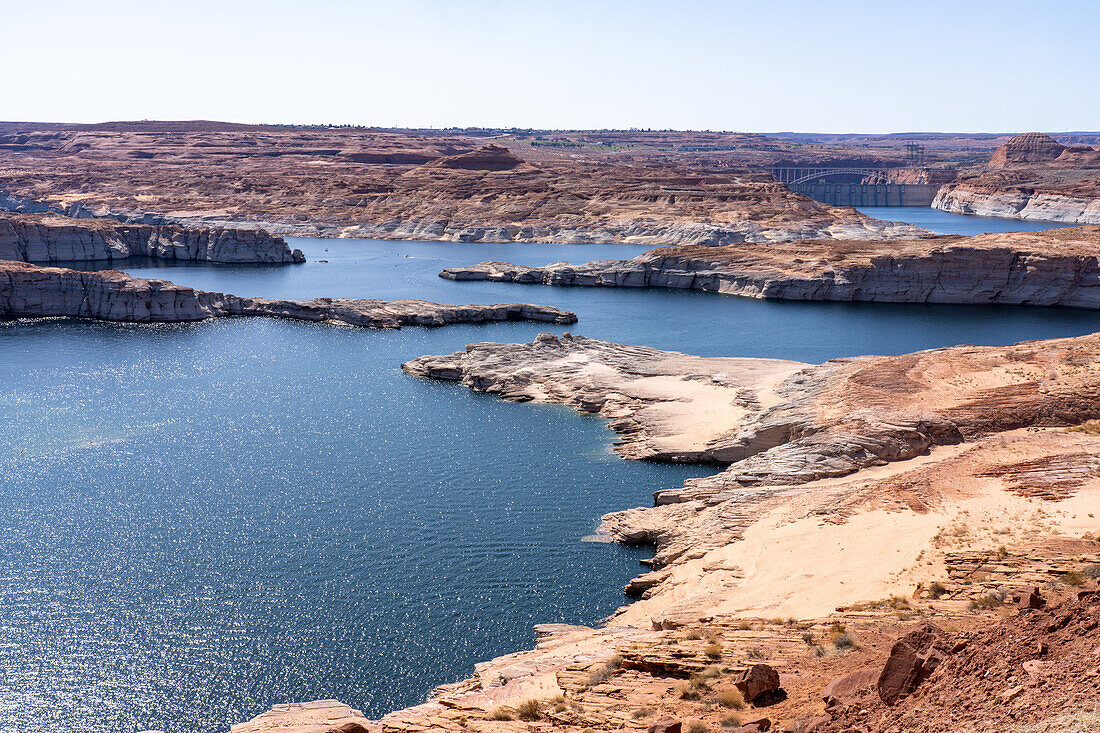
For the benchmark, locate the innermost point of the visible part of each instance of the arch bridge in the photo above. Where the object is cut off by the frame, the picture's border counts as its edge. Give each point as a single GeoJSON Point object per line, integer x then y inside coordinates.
{"type": "Point", "coordinates": [807, 174]}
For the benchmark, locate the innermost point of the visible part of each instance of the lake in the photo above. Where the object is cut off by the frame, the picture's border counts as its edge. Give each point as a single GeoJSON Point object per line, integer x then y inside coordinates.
{"type": "Point", "coordinates": [201, 520]}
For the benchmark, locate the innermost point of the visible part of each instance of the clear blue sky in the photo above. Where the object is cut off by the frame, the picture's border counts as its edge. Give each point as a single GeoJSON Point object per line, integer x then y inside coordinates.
{"type": "Point", "coordinates": [833, 66]}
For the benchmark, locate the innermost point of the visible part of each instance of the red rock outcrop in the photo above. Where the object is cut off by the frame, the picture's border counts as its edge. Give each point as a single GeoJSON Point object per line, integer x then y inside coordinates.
{"type": "Point", "coordinates": [1034, 670]}
{"type": "Point", "coordinates": [912, 660]}
{"type": "Point", "coordinates": [1030, 147]}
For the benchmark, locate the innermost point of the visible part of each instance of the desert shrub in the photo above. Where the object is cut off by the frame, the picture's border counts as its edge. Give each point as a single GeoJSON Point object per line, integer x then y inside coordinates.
{"type": "Point", "coordinates": [937, 590]}
{"type": "Point", "coordinates": [685, 691]}
{"type": "Point", "coordinates": [696, 726]}
{"type": "Point", "coordinates": [755, 653]}
{"type": "Point", "coordinates": [1074, 578]}
{"type": "Point", "coordinates": [713, 650]}
{"type": "Point", "coordinates": [745, 625]}
{"type": "Point", "coordinates": [500, 713]}
{"type": "Point", "coordinates": [731, 721]}
{"type": "Point", "coordinates": [808, 638]}
{"type": "Point", "coordinates": [528, 710]}
{"type": "Point", "coordinates": [642, 712]}
{"type": "Point", "coordinates": [599, 676]}
{"type": "Point", "coordinates": [616, 662]}
{"type": "Point", "coordinates": [731, 698]}
{"type": "Point", "coordinates": [844, 641]}
{"type": "Point", "coordinates": [986, 602]}
{"type": "Point", "coordinates": [698, 681]}
{"type": "Point", "coordinates": [837, 628]}
{"type": "Point", "coordinates": [1093, 571]}
{"type": "Point", "coordinates": [692, 635]}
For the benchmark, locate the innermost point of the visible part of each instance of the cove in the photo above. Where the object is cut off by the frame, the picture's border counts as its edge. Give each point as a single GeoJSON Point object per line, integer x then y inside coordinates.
{"type": "Point", "coordinates": [202, 520]}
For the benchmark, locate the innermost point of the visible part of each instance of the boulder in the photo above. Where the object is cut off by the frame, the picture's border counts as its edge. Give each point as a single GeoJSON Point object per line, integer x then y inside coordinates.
{"type": "Point", "coordinates": [756, 681]}
{"type": "Point", "coordinates": [1029, 597]}
{"type": "Point", "coordinates": [849, 686]}
{"type": "Point", "coordinates": [665, 725]}
{"type": "Point", "coordinates": [756, 726]}
{"type": "Point", "coordinates": [912, 660]}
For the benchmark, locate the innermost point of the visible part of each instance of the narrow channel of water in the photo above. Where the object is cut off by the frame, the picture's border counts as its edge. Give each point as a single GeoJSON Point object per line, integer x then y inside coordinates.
{"type": "Point", "coordinates": [943, 222]}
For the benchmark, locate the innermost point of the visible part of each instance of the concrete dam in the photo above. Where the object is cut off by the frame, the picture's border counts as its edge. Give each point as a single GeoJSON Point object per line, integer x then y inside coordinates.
{"type": "Point", "coordinates": [850, 186]}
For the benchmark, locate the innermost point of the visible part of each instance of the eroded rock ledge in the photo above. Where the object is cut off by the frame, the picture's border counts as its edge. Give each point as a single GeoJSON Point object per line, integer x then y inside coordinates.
{"type": "Point", "coordinates": [1056, 267]}
{"type": "Point", "coordinates": [30, 291]}
{"type": "Point", "coordinates": [54, 238]}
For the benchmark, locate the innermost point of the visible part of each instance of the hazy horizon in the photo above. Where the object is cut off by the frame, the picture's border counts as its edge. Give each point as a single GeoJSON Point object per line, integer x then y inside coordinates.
{"type": "Point", "coordinates": [698, 65]}
{"type": "Point", "coordinates": [516, 128]}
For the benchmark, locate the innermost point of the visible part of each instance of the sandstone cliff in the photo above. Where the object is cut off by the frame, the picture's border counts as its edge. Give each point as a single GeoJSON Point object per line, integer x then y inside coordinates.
{"type": "Point", "coordinates": [29, 291]}
{"type": "Point", "coordinates": [1053, 267]}
{"type": "Point", "coordinates": [1033, 177]}
{"type": "Point", "coordinates": [53, 238]}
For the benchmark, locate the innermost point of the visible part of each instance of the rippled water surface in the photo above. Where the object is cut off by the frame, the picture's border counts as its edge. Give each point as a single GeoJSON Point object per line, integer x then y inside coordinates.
{"type": "Point", "coordinates": [943, 222]}
{"type": "Point", "coordinates": [198, 521]}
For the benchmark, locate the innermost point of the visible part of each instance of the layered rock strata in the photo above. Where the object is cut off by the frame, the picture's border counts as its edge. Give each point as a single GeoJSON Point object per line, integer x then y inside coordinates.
{"type": "Point", "coordinates": [415, 186]}
{"type": "Point", "coordinates": [30, 291]}
{"type": "Point", "coordinates": [53, 238]}
{"type": "Point", "coordinates": [1032, 177]}
{"type": "Point", "coordinates": [1055, 268]}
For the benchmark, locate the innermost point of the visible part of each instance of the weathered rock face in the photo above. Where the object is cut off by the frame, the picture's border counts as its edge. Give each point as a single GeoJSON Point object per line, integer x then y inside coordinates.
{"type": "Point", "coordinates": [29, 291]}
{"type": "Point", "coordinates": [1033, 177]}
{"type": "Point", "coordinates": [756, 681]}
{"type": "Point", "coordinates": [51, 238]}
{"type": "Point", "coordinates": [1029, 671]}
{"type": "Point", "coordinates": [981, 200]}
{"type": "Point", "coordinates": [1054, 267]}
{"type": "Point", "coordinates": [1029, 147]}
{"type": "Point", "coordinates": [913, 659]}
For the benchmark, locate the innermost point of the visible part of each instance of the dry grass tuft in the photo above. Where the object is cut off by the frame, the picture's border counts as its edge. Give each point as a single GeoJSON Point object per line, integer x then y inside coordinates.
{"type": "Point", "coordinates": [731, 698]}
{"type": "Point", "coordinates": [528, 710]}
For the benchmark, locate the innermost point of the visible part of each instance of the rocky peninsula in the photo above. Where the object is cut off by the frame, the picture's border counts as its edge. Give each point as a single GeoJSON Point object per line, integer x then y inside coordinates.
{"type": "Point", "coordinates": [1033, 177]}
{"type": "Point", "coordinates": [860, 497]}
{"type": "Point", "coordinates": [1055, 267]}
{"type": "Point", "coordinates": [30, 291]}
{"type": "Point", "coordinates": [55, 238]}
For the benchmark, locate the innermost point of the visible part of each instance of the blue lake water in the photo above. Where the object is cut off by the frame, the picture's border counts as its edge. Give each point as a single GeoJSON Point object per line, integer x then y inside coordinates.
{"type": "Point", "coordinates": [201, 520]}
{"type": "Point", "coordinates": [943, 222]}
